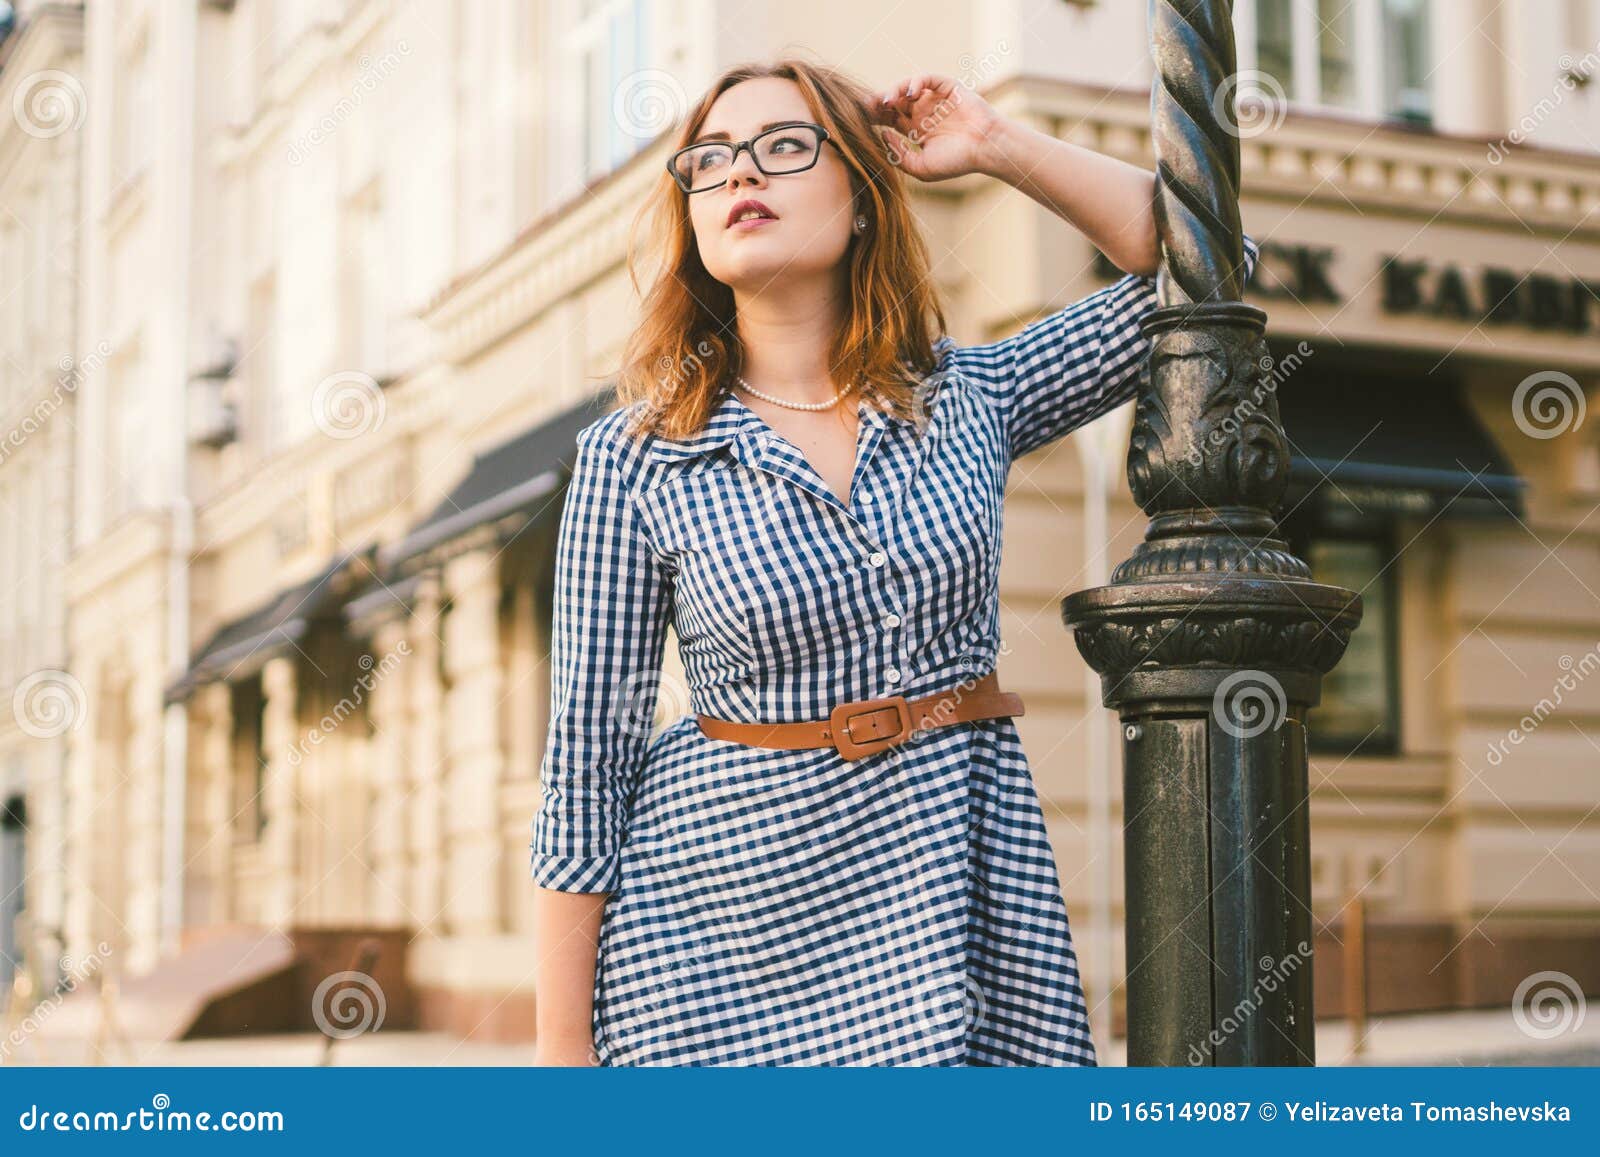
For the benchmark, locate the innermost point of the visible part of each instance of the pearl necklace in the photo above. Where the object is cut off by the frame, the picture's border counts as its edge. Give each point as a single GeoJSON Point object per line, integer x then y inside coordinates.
{"type": "Point", "coordinates": [834, 401]}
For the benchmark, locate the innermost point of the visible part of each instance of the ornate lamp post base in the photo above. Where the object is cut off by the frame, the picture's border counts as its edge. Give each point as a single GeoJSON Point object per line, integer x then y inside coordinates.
{"type": "Point", "coordinates": [1211, 641]}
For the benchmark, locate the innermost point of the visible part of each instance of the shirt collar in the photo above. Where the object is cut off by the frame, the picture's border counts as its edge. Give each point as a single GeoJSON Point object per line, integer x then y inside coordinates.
{"type": "Point", "coordinates": [731, 421]}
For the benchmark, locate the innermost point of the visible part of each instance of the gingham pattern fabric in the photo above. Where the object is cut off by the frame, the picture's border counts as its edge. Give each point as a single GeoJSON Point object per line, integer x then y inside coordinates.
{"type": "Point", "coordinates": [792, 907]}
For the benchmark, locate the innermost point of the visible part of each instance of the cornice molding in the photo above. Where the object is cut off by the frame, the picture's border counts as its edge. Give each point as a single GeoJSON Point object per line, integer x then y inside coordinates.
{"type": "Point", "coordinates": [1314, 157]}
{"type": "Point", "coordinates": [141, 537]}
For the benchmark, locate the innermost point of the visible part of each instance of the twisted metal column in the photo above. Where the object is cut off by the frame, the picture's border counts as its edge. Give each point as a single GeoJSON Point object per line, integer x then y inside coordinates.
{"type": "Point", "coordinates": [1211, 639]}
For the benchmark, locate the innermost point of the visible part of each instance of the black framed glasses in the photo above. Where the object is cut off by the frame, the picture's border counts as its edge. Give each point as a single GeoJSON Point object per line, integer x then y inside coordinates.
{"type": "Point", "coordinates": [791, 148]}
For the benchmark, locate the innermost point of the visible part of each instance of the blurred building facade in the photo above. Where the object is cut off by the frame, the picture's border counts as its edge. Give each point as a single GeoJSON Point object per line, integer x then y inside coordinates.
{"type": "Point", "coordinates": [332, 286]}
{"type": "Point", "coordinates": [41, 364]}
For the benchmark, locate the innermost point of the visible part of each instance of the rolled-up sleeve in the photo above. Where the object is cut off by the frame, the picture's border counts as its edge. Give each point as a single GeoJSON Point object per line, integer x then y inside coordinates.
{"type": "Point", "coordinates": [1081, 361]}
{"type": "Point", "coordinates": [609, 623]}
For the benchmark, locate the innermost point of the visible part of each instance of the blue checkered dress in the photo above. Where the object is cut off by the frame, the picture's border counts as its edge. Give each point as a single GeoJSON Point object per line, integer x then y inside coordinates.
{"type": "Point", "coordinates": [792, 907]}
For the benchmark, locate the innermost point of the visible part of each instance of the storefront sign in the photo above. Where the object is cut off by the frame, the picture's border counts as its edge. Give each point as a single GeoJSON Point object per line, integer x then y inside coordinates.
{"type": "Point", "coordinates": [1423, 287]}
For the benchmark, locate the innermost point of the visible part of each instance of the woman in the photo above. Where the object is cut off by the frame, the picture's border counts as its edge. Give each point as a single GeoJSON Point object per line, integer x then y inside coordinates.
{"type": "Point", "coordinates": [806, 480]}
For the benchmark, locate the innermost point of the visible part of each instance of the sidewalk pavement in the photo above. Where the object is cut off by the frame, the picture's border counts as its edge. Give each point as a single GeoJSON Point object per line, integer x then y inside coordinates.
{"type": "Point", "coordinates": [1478, 1037]}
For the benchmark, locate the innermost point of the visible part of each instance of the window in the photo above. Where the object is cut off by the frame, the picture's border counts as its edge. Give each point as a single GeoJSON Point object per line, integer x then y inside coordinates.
{"type": "Point", "coordinates": [1336, 43]}
{"type": "Point", "coordinates": [603, 47]}
{"type": "Point", "coordinates": [125, 434]}
{"type": "Point", "coordinates": [1369, 57]}
{"type": "Point", "coordinates": [364, 284]}
{"type": "Point", "coordinates": [1359, 712]}
{"type": "Point", "coordinates": [1405, 74]}
{"type": "Point", "coordinates": [263, 425]}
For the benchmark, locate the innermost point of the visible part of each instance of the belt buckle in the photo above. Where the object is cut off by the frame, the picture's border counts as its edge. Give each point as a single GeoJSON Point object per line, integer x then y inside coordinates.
{"type": "Point", "coordinates": [842, 716]}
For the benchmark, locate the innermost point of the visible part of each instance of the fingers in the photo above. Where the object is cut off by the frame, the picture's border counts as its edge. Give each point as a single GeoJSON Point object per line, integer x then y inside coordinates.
{"type": "Point", "coordinates": [911, 89]}
{"type": "Point", "coordinates": [897, 106]}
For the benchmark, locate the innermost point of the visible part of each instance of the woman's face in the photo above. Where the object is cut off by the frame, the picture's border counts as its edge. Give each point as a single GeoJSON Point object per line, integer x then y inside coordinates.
{"type": "Point", "coordinates": [813, 210]}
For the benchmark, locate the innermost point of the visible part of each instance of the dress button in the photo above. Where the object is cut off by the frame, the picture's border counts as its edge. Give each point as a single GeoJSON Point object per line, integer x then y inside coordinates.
{"type": "Point", "coordinates": [892, 674]}
{"type": "Point", "coordinates": [876, 558]}
{"type": "Point", "coordinates": [866, 498]}
{"type": "Point", "coordinates": [891, 621]}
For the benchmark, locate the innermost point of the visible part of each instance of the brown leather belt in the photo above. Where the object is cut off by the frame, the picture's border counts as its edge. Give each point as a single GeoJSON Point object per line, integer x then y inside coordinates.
{"type": "Point", "coordinates": [865, 726]}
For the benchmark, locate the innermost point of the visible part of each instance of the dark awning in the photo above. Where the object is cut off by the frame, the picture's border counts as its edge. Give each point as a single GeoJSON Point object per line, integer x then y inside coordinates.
{"type": "Point", "coordinates": [382, 599]}
{"type": "Point", "coordinates": [519, 477]}
{"type": "Point", "coordinates": [1379, 444]}
{"type": "Point", "coordinates": [242, 646]}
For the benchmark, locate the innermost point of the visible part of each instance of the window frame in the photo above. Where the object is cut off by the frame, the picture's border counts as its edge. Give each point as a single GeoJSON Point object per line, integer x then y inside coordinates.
{"type": "Point", "coordinates": [1301, 532]}
{"type": "Point", "coordinates": [1369, 61]}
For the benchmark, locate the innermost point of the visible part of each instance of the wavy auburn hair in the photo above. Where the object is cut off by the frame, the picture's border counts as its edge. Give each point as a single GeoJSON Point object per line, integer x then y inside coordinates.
{"type": "Point", "coordinates": [686, 346]}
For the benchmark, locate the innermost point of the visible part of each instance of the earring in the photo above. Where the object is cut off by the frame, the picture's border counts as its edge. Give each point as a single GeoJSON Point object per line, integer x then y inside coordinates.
{"type": "Point", "coordinates": [861, 222]}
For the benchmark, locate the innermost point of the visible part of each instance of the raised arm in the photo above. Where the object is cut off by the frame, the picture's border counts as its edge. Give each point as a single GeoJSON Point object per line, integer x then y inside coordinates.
{"type": "Point", "coordinates": [1068, 368]}
{"type": "Point", "coordinates": [938, 128]}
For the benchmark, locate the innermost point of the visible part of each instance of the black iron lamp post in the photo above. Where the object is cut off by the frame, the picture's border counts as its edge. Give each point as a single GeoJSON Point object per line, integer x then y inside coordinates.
{"type": "Point", "coordinates": [1211, 639]}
